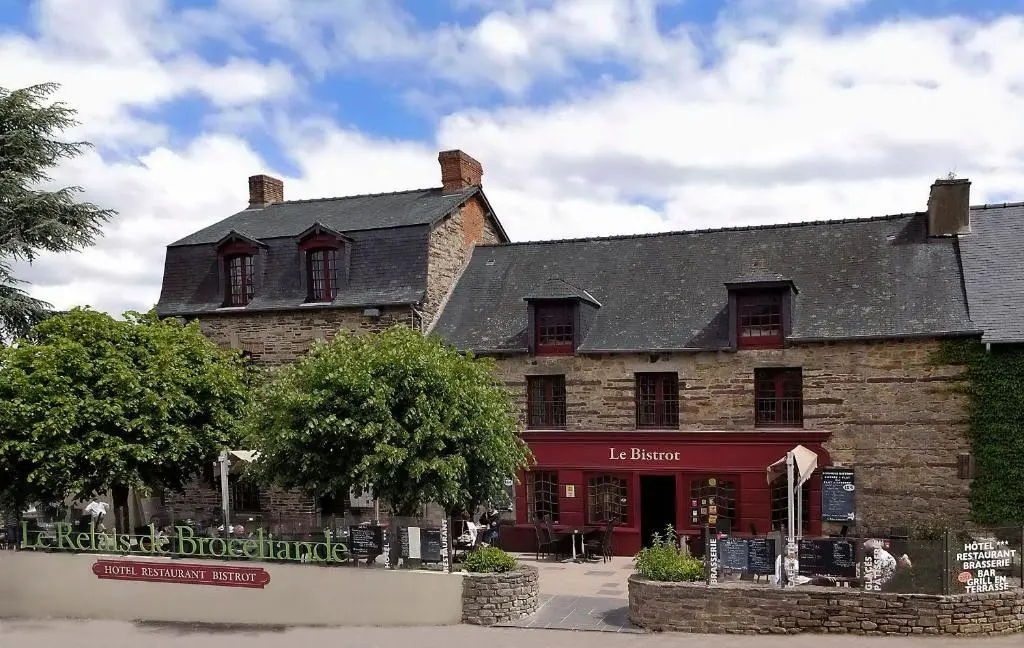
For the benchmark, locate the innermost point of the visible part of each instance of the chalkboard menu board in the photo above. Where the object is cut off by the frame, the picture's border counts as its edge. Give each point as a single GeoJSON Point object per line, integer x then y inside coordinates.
{"type": "Point", "coordinates": [732, 554]}
{"type": "Point", "coordinates": [430, 545]}
{"type": "Point", "coordinates": [366, 540]}
{"type": "Point", "coordinates": [403, 541]}
{"type": "Point", "coordinates": [838, 495]}
{"type": "Point", "coordinates": [828, 557]}
{"type": "Point", "coordinates": [761, 554]}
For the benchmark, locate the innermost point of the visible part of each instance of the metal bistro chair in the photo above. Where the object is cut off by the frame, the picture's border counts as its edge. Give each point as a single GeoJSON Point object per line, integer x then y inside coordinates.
{"type": "Point", "coordinates": [603, 544]}
{"type": "Point", "coordinates": [545, 546]}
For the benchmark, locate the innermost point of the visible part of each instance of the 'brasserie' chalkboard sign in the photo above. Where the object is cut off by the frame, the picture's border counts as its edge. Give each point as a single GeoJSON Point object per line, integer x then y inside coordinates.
{"type": "Point", "coordinates": [838, 495]}
{"type": "Point", "coordinates": [828, 557]}
{"type": "Point", "coordinates": [366, 540]}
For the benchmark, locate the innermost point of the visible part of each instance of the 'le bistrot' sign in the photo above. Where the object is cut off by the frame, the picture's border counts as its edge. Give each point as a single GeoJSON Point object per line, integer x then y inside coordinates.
{"type": "Point", "coordinates": [641, 454]}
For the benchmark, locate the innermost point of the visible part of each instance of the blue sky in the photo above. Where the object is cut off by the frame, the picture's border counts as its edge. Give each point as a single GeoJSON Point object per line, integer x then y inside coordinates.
{"type": "Point", "coordinates": [590, 117]}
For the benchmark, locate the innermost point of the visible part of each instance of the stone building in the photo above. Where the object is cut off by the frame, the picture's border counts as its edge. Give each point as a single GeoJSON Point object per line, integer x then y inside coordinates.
{"type": "Point", "coordinates": [659, 373]}
{"type": "Point", "coordinates": [280, 273]}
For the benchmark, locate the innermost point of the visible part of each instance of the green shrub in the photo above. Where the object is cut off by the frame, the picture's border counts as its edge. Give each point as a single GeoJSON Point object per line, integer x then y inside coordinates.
{"type": "Point", "coordinates": [667, 560]}
{"type": "Point", "coordinates": [489, 560]}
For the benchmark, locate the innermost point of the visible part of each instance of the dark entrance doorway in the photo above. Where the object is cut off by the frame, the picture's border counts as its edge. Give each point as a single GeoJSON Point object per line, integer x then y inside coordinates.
{"type": "Point", "coordinates": [657, 505]}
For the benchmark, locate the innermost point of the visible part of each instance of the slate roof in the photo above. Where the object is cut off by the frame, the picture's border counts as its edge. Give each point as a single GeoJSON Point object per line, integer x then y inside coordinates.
{"type": "Point", "coordinates": [555, 288]}
{"type": "Point", "coordinates": [993, 262]}
{"type": "Point", "coordinates": [345, 214]}
{"type": "Point", "coordinates": [869, 278]}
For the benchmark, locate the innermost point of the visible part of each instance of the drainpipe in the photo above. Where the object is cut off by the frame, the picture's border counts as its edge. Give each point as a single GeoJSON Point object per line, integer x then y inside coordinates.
{"type": "Point", "coordinates": [988, 347]}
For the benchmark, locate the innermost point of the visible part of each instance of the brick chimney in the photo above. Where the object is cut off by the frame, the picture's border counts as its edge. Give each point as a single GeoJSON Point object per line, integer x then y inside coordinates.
{"type": "Point", "coordinates": [458, 170]}
{"type": "Point", "coordinates": [949, 207]}
{"type": "Point", "coordinates": [265, 190]}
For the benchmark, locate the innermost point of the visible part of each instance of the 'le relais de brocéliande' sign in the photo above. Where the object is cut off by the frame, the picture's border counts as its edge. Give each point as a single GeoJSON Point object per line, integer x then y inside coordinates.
{"type": "Point", "coordinates": [185, 544]}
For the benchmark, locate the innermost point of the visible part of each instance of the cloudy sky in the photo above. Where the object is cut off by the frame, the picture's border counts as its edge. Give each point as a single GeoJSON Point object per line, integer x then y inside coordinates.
{"type": "Point", "coordinates": [591, 117]}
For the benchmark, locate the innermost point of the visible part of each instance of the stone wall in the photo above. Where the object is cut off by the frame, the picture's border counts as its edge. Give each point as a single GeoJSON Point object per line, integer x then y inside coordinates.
{"type": "Point", "coordinates": [744, 608]}
{"type": "Point", "coordinates": [274, 338]}
{"type": "Point", "coordinates": [451, 244]}
{"type": "Point", "coordinates": [496, 598]}
{"type": "Point", "coordinates": [893, 415]}
{"type": "Point", "coordinates": [279, 508]}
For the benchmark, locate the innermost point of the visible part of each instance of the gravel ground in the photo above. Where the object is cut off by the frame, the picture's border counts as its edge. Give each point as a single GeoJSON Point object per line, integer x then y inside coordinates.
{"type": "Point", "coordinates": [113, 634]}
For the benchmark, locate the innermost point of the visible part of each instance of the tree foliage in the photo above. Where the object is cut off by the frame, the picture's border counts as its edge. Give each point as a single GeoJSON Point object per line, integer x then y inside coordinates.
{"type": "Point", "coordinates": [90, 404]}
{"type": "Point", "coordinates": [396, 410]}
{"type": "Point", "coordinates": [994, 383]}
{"type": "Point", "coordinates": [33, 219]}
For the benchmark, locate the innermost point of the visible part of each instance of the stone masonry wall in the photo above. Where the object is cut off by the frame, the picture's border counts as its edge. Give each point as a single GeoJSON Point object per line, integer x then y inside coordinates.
{"type": "Point", "coordinates": [497, 598]}
{"type": "Point", "coordinates": [743, 608]}
{"type": "Point", "coordinates": [279, 508]}
{"type": "Point", "coordinates": [451, 244]}
{"type": "Point", "coordinates": [274, 338]}
{"type": "Point", "coordinates": [893, 416]}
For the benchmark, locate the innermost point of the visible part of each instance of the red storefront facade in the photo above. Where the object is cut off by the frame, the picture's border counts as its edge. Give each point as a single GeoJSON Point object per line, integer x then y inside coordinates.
{"type": "Point", "coordinates": [651, 478]}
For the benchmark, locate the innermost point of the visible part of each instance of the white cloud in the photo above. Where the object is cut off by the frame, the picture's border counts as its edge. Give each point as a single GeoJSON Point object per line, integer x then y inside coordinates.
{"type": "Point", "coordinates": [782, 120]}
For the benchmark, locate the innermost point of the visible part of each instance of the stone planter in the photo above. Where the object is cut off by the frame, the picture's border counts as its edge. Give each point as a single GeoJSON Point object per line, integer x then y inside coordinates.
{"type": "Point", "coordinates": [745, 608]}
{"type": "Point", "coordinates": [496, 598]}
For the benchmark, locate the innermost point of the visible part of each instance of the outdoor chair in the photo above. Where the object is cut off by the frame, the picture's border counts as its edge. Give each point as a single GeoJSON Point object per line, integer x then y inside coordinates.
{"type": "Point", "coordinates": [602, 544]}
{"type": "Point", "coordinates": [545, 546]}
{"type": "Point", "coordinates": [559, 539]}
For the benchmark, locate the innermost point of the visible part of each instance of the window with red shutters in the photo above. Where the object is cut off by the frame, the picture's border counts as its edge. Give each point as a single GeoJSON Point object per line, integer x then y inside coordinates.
{"type": "Point", "coordinates": [545, 396]}
{"type": "Point", "coordinates": [322, 271]}
{"type": "Point", "coordinates": [239, 275]}
{"type": "Point", "coordinates": [759, 320]}
{"type": "Point", "coordinates": [553, 328]}
{"type": "Point", "coordinates": [778, 394]}
{"type": "Point", "coordinates": [657, 400]}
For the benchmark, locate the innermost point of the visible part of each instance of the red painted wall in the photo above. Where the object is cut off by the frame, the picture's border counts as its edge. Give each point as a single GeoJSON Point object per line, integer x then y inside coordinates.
{"type": "Point", "coordinates": [742, 457]}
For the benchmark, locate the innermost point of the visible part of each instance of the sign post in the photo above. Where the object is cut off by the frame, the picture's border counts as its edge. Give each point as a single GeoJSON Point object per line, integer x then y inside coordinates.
{"type": "Point", "coordinates": [225, 501]}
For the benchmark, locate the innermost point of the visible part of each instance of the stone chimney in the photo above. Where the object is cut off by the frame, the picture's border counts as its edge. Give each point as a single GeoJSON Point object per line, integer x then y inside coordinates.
{"type": "Point", "coordinates": [264, 191]}
{"type": "Point", "coordinates": [949, 207]}
{"type": "Point", "coordinates": [459, 171]}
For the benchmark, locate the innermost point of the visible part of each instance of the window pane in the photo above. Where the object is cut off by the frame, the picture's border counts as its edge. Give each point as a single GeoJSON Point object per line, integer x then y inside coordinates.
{"type": "Point", "coordinates": [759, 318]}
{"type": "Point", "coordinates": [554, 325]}
{"type": "Point", "coordinates": [239, 280]}
{"type": "Point", "coordinates": [542, 496]}
{"type": "Point", "coordinates": [713, 492]}
{"type": "Point", "coordinates": [607, 500]}
{"type": "Point", "coordinates": [545, 401]}
{"type": "Point", "coordinates": [780, 502]}
{"type": "Point", "coordinates": [778, 395]}
{"type": "Point", "coordinates": [657, 400]}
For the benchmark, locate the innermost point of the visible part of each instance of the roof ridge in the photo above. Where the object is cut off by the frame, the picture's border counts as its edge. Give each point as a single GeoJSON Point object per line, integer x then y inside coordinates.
{"type": "Point", "coordinates": [739, 228]}
{"type": "Point", "coordinates": [998, 205]}
{"type": "Point", "coordinates": [367, 195]}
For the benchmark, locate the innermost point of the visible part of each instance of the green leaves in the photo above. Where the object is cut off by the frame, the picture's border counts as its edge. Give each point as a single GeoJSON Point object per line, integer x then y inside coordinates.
{"type": "Point", "coordinates": [31, 219]}
{"type": "Point", "coordinates": [88, 402]}
{"type": "Point", "coordinates": [395, 410]}
{"type": "Point", "coordinates": [994, 382]}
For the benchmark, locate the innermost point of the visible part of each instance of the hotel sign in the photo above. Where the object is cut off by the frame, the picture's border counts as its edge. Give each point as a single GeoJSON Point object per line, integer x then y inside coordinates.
{"type": "Point", "coordinates": [641, 454]}
{"type": "Point", "coordinates": [190, 574]}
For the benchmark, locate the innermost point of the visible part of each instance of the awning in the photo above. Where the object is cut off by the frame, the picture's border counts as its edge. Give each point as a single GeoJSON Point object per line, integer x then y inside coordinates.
{"type": "Point", "coordinates": [805, 463]}
{"type": "Point", "coordinates": [248, 456]}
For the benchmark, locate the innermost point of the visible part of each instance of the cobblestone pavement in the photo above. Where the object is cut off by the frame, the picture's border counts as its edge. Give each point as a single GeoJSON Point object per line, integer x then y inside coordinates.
{"type": "Point", "coordinates": [109, 634]}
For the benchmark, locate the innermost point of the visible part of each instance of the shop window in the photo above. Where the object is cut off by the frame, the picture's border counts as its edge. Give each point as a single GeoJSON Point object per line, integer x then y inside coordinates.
{"type": "Point", "coordinates": [554, 328]}
{"type": "Point", "coordinates": [657, 400]}
{"type": "Point", "coordinates": [778, 396]}
{"type": "Point", "coordinates": [542, 496]}
{"type": "Point", "coordinates": [607, 500]}
{"type": "Point", "coordinates": [780, 516]}
{"type": "Point", "coordinates": [545, 401]}
{"type": "Point", "coordinates": [711, 500]}
{"type": "Point", "coordinates": [244, 496]}
{"type": "Point", "coordinates": [759, 320]}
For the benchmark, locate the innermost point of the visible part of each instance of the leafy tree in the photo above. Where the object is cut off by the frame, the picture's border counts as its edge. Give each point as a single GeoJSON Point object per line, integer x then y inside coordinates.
{"type": "Point", "coordinates": [395, 410]}
{"type": "Point", "coordinates": [90, 404]}
{"type": "Point", "coordinates": [33, 219]}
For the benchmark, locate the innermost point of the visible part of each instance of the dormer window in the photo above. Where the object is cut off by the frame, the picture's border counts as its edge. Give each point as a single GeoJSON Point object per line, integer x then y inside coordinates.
{"type": "Point", "coordinates": [322, 270]}
{"type": "Point", "coordinates": [554, 328]}
{"type": "Point", "coordinates": [325, 254]}
{"type": "Point", "coordinates": [759, 320]}
{"type": "Point", "coordinates": [239, 274]}
{"type": "Point", "coordinates": [238, 256]}
{"type": "Point", "coordinates": [760, 312]}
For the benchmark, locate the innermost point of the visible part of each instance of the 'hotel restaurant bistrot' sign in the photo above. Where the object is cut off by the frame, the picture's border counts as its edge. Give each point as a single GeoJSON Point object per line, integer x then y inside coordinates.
{"type": "Point", "coordinates": [980, 564]}
{"type": "Point", "coordinates": [156, 572]}
{"type": "Point", "coordinates": [187, 545]}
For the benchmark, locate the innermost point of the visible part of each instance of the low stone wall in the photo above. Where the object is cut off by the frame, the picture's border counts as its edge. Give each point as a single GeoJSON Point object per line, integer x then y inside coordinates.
{"type": "Point", "coordinates": [496, 598]}
{"type": "Point", "coordinates": [744, 608]}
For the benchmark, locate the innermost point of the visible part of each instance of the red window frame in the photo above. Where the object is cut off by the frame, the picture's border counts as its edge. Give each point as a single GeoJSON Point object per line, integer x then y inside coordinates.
{"type": "Point", "coordinates": [554, 328]}
{"type": "Point", "coordinates": [624, 489]}
{"type": "Point", "coordinates": [545, 402]}
{"type": "Point", "coordinates": [657, 400]}
{"type": "Point", "coordinates": [778, 397]}
{"type": "Point", "coordinates": [322, 274]}
{"type": "Point", "coordinates": [238, 275]}
{"type": "Point", "coordinates": [759, 322]}
{"type": "Point", "coordinates": [542, 495]}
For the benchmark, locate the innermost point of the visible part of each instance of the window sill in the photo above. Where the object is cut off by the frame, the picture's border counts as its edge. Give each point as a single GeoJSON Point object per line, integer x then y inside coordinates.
{"type": "Point", "coordinates": [778, 426]}
{"type": "Point", "coordinates": [545, 428]}
{"type": "Point", "coordinates": [223, 309]}
{"type": "Point", "coordinates": [314, 304]}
